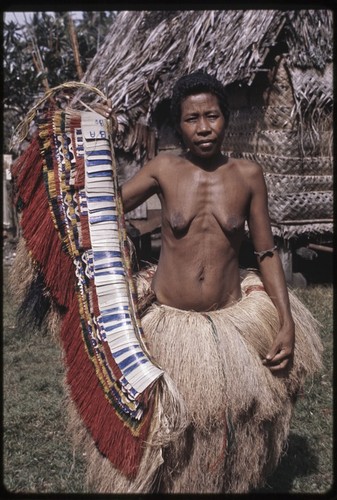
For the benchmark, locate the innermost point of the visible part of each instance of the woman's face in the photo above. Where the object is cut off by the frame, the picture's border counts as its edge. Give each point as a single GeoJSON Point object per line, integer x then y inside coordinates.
{"type": "Point", "coordinates": [202, 124]}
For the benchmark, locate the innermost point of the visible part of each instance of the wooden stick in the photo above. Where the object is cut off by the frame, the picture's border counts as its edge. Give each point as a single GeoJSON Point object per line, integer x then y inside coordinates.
{"type": "Point", "coordinates": [323, 248]}
{"type": "Point", "coordinates": [74, 44]}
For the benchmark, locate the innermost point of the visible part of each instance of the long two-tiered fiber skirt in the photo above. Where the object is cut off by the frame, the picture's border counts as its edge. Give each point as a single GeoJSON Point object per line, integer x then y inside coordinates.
{"type": "Point", "coordinates": [237, 412]}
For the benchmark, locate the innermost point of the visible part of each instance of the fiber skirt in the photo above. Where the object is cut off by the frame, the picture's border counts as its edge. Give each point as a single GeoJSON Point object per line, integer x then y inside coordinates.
{"type": "Point", "coordinates": [236, 413]}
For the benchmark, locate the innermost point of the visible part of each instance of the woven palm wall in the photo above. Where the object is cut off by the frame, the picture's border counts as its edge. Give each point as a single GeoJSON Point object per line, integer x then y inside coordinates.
{"type": "Point", "coordinates": [293, 145]}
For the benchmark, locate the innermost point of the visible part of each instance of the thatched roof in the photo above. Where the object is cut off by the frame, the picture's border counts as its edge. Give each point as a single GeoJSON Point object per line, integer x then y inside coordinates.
{"type": "Point", "coordinates": [147, 51]}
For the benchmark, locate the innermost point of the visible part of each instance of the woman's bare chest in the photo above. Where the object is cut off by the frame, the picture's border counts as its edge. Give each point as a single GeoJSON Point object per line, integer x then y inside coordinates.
{"type": "Point", "coordinates": [205, 202]}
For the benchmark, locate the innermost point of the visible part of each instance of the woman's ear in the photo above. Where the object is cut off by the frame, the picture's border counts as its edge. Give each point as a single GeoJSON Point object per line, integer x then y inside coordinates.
{"type": "Point", "coordinates": [178, 135]}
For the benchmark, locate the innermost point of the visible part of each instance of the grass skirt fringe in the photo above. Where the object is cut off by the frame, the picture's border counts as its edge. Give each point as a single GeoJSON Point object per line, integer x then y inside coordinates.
{"type": "Point", "coordinates": [238, 412]}
{"type": "Point", "coordinates": [169, 421]}
{"type": "Point", "coordinates": [23, 274]}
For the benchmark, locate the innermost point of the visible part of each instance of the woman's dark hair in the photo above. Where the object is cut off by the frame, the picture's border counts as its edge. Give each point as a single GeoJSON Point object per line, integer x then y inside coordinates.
{"type": "Point", "coordinates": [194, 83]}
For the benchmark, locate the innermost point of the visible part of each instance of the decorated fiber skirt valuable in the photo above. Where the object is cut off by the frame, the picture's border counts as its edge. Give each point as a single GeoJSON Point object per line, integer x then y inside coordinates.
{"type": "Point", "coordinates": [74, 242]}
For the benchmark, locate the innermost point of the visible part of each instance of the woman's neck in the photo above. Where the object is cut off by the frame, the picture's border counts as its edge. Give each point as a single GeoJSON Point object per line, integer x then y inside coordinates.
{"type": "Point", "coordinates": [211, 163]}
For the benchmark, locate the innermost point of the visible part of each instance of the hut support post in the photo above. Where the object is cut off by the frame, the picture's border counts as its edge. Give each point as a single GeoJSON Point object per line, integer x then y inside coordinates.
{"type": "Point", "coordinates": [286, 257]}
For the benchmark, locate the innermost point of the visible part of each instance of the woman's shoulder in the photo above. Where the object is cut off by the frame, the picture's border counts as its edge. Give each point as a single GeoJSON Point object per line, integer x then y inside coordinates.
{"type": "Point", "coordinates": [246, 167]}
{"type": "Point", "coordinates": [165, 159]}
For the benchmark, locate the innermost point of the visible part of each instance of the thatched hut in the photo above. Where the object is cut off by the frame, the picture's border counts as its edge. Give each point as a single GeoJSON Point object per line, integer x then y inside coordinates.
{"type": "Point", "coordinates": [277, 66]}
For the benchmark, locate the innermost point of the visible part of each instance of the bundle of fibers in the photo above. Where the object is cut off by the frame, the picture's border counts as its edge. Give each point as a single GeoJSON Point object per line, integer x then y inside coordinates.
{"type": "Point", "coordinates": [238, 412]}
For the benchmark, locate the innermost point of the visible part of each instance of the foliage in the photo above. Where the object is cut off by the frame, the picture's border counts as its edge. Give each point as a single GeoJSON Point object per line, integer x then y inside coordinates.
{"type": "Point", "coordinates": [41, 49]}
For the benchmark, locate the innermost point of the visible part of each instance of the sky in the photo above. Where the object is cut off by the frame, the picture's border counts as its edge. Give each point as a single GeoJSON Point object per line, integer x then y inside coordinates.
{"type": "Point", "coordinates": [20, 16]}
{"type": "Point", "coordinates": [16, 16]}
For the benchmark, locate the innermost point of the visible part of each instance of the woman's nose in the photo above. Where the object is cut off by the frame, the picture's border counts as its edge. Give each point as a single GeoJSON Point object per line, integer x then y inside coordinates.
{"type": "Point", "coordinates": [203, 126]}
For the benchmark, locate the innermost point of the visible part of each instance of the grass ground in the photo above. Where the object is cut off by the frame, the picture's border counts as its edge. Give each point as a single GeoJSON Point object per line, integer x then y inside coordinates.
{"type": "Point", "coordinates": [38, 456]}
{"type": "Point", "coordinates": [307, 466]}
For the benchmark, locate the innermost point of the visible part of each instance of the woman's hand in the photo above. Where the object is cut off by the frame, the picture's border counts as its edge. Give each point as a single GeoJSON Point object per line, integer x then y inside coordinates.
{"type": "Point", "coordinates": [281, 353]}
{"type": "Point", "coordinates": [104, 108]}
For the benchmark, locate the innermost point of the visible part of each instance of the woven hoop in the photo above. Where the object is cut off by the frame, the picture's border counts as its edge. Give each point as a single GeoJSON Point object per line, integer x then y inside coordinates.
{"type": "Point", "coordinates": [22, 129]}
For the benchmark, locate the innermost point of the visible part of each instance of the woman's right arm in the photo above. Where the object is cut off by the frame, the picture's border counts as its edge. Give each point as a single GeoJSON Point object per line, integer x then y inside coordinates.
{"type": "Point", "coordinates": [140, 187]}
{"type": "Point", "coordinates": [144, 183]}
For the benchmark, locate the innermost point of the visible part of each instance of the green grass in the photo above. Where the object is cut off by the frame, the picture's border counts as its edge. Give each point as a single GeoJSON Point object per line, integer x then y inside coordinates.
{"type": "Point", "coordinates": [307, 466]}
{"type": "Point", "coordinates": [37, 453]}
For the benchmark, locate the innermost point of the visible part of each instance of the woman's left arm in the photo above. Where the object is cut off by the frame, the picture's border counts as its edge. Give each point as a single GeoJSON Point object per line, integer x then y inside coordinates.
{"type": "Point", "coordinates": [272, 274]}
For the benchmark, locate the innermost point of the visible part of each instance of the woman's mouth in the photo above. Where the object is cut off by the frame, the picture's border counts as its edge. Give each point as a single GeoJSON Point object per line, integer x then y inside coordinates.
{"type": "Point", "coordinates": [205, 144]}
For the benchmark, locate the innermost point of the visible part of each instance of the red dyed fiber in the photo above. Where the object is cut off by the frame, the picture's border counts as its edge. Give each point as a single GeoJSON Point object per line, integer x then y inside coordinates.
{"type": "Point", "coordinates": [43, 241]}
{"type": "Point", "coordinates": [79, 175]}
{"type": "Point", "coordinates": [112, 437]}
{"type": "Point", "coordinates": [27, 170]}
{"type": "Point", "coordinates": [85, 232]}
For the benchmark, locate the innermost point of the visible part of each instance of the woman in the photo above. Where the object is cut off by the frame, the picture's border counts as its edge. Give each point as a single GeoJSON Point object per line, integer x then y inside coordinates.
{"type": "Point", "coordinates": [236, 344]}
